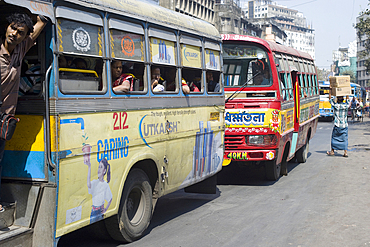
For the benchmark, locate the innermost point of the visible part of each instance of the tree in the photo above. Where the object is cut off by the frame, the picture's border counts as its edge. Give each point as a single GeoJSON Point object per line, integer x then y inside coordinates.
{"type": "Point", "coordinates": [363, 33]}
{"type": "Point", "coordinates": [322, 74]}
{"type": "Point", "coordinates": [350, 73]}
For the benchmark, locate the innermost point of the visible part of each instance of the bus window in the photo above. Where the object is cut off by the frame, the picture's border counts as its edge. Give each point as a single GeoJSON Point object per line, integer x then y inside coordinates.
{"type": "Point", "coordinates": [313, 87]}
{"type": "Point", "coordinates": [213, 66]}
{"type": "Point", "coordinates": [316, 86]}
{"type": "Point", "coordinates": [129, 47]}
{"type": "Point", "coordinates": [82, 45]}
{"type": "Point", "coordinates": [127, 76]}
{"type": "Point", "coordinates": [301, 85]}
{"type": "Point", "coordinates": [192, 77]}
{"type": "Point", "coordinates": [162, 50]}
{"type": "Point", "coordinates": [232, 71]}
{"type": "Point", "coordinates": [191, 60]}
{"type": "Point", "coordinates": [284, 86]}
{"type": "Point", "coordinates": [280, 66]}
{"type": "Point", "coordinates": [213, 79]}
{"type": "Point", "coordinates": [308, 85]}
{"type": "Point", "coordinates": [289, 87]}
{"type": "Point", "coordinates": [247, 65]}
{"type": "Point", "coordinates": [163, 79]}
{"type": "Point", "coordinates": [80, 74]}
{"type": "Point", "coordinates": [260, 73]}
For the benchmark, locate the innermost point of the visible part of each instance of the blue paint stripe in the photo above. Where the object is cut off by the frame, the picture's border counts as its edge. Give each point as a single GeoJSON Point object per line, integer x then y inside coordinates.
{"type": "Point", "coordinates": [23, 164]}
{"type": "Point", "coordinates": [294, 143]}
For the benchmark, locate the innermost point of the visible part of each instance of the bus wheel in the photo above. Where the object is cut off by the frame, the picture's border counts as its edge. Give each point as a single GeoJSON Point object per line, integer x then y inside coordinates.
{"type": "Point", "coordinates": [135, 209]}
{"type": "Point", "coordinates": [272, 170]}
{"type": "Point", "coordinates": [284, 162]}
{"type": "Point", "coordinates": [302, 153]}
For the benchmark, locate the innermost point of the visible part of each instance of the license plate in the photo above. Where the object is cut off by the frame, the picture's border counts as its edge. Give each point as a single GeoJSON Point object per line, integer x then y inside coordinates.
{"type": "Point", "coordinates": [238, 155]}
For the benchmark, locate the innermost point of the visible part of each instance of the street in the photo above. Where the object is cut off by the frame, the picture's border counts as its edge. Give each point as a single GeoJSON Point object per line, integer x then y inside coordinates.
{"type": "Point", "coordinates": [323, 202]}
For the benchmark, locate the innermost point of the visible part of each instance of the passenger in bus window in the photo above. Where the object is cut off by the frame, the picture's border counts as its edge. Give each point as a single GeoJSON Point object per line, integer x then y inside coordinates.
{"type": "Point", "coordinates": [64, 61]}
{"type": "Point", "coordinates": [185, 87]}
{"type": "Point", "coordinates": [211, 84]}
{"type": "Point", "coordinates": [20, 35]}
{"type": "Point", "coordinates": [262, 74]}
{"type": "Point", "coordinates": [79, 63]}
{"type": "Point", "coordinates": [170, 78]}
{"type": "Point", "coordinates": [193, 87]}
{"type": "Point", "coordinates": [157, 81]}
{"type": "Point", "coordinates": [122, 82]}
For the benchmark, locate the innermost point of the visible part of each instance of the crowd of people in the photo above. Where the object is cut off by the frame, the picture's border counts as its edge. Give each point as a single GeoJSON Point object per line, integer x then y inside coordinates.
{"type": "Point", "coordinates": [124, 79]}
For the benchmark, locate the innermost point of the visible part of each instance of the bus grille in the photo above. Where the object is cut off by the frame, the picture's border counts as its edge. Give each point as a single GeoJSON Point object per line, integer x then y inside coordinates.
{"type": "Point", "coordinates": [234, 141]}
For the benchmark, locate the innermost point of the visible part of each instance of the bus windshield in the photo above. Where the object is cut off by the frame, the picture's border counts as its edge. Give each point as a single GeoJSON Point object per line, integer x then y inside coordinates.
{"type": "Point", "coordinates": [246, 65]}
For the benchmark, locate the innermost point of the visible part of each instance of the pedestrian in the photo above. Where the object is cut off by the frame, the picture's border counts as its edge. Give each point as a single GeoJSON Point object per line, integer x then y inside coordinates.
{"type": "Point", "coordinates": [20, 36]}
{"type": "Point", "coordinates": [339, 136]}
{"type": "Point", "coordinates": [353, 106]}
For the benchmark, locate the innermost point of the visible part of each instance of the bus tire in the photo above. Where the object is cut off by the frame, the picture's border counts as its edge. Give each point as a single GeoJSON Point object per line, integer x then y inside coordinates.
{"type": "Point", "coordinates": [284, 162]}
{"type": "Point", "coordinates": [135, 211]}
{"type": "Point", "coordinates": [272, 170]}
{"type": "Point", "coordinates": [302, 153]}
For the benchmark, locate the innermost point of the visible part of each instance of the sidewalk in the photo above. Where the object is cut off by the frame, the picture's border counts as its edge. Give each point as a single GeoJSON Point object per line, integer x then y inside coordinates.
{"type": "Point", "coordinates": [359, 136]}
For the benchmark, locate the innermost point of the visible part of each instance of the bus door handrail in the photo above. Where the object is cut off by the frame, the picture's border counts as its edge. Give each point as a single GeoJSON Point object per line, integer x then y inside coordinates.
{"type": "Point", "coordinates": [47, 116]}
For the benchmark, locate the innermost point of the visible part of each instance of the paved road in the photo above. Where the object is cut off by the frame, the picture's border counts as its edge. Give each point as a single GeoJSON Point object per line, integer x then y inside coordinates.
{"type": "Point", "coordinates": [323, 202]}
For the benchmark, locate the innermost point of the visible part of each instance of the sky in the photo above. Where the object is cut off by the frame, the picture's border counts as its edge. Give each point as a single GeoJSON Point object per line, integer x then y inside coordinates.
{"type": "Point", "coordinates": [333, 22]}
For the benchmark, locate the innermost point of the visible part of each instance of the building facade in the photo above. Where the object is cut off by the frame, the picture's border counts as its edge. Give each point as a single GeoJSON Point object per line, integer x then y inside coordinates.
{"type": "Point", "coordinates": [230, 19]}
{"type": "Point", "coordinates": [363, 76]}
{"type": "Point", "coordinates": [300, 36]}
{"type": "Point", "coordinates": [202, 9]}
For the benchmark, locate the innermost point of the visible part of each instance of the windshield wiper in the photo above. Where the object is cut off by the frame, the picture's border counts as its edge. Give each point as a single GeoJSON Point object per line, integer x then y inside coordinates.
{"type": "Point", "coordinates": [241, 87]}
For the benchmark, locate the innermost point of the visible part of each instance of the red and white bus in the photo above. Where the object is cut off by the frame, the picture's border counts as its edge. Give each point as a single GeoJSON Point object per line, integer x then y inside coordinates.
{"type": "Point", "coordinates": [272, 103]}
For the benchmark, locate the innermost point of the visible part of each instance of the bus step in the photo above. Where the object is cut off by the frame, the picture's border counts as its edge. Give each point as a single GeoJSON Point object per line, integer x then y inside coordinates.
{"type": "Point", "coordinates": [16, 236]}
{"type": "Point", "coordinates": [8, 215]}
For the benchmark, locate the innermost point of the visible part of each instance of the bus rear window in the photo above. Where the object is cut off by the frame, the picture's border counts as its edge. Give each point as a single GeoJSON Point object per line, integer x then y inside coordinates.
{"type": "Point", "coordinates": [246, 66]}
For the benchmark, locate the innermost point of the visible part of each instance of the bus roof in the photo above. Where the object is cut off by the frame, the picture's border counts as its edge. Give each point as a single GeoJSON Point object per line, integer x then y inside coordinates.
{"type": "Point", "coordinates": [153, 13]}
{"type": "Point", "coordinates": [274, 47]}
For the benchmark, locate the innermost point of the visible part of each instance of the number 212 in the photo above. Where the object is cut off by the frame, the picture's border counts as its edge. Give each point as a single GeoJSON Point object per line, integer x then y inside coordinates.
{"type": "Point", "coordinates": [120, 120]}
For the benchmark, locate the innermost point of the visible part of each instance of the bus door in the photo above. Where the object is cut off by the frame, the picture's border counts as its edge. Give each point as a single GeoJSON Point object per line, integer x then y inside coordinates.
{"type": "Point", "coordinates": [24, 156]}
{"type": "Point", "coordinates": [296, 115]}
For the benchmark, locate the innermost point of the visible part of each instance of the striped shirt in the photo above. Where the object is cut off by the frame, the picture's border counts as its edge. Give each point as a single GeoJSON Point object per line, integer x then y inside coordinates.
{"type": "Point", "coordinates": [10, 68]}
{"type": "Point", "coordinates": [340, 113]}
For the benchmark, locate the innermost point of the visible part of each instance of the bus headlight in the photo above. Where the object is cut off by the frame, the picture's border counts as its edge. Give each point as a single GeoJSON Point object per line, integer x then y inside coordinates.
{"type": "Point", "coordinates": [266, 140]}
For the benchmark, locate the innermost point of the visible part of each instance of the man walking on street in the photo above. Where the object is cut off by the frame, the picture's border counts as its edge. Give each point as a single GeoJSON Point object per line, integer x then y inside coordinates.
{"type": "Point", "coordinates": [20, 36]}
{"type": "Point", "coordinates": [339, 136]}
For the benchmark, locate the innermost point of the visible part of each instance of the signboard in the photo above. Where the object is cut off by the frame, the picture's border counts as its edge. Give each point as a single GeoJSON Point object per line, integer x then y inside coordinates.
{"type": "Point", "coordinates": [191, 56]}
{"type": "Point", "coordinates": [213, 59]}
{"type": "Point", "coordinates": [162, 51]}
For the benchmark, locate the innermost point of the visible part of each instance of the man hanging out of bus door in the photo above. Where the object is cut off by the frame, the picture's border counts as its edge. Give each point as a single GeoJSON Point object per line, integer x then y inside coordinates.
{"type": "Point", "coordinates": [339, 137]}
{"type": "Point", "coordinates": [20, 36]}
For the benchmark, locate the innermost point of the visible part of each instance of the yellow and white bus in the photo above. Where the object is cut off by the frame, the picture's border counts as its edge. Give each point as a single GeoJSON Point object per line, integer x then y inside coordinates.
{"type": "Point", "coordinates": [84, 152]}
{"type": "Point", "coordinates": [325, 109]}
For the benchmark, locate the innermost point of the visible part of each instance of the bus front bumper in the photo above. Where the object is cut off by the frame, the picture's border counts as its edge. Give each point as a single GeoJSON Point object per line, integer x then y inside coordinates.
{"type": "Point", "coordinates": [248, 155]}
